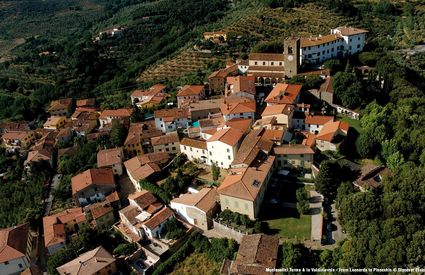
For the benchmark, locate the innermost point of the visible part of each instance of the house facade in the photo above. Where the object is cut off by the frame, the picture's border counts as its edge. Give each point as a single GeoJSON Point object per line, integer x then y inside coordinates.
{"type": "Point", "coordinates": [112, 158]}
{"type": "Point", "coordinates": [243, 189]}
{"type": "Point", "coordinates": [290, 156]}
{"type": "Point", "coordinates": [199, 208]}
{"type": "Point", "coordinates": [166, 143]}
{"type": "Point", "coordinates": [223, 146]}
{"type": "Point", "coordinates": [169, 120]}
{"type": "Point", "coordinates": [195, 150]}
{"type": "Point", "coordinates": [314, 124]}
{"type": "Point", "coordinates": [92, 185]}
{"type": "Point", "coordinates": [190, 93]}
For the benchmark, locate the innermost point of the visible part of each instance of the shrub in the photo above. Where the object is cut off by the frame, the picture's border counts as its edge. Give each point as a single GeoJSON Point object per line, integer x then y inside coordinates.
{"type": "Point", "coordinates": [124, 249]}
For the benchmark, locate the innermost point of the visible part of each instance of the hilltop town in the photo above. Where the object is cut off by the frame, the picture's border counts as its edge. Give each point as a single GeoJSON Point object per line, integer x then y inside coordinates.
{"type": "Point", "coordinates": [301, 153]}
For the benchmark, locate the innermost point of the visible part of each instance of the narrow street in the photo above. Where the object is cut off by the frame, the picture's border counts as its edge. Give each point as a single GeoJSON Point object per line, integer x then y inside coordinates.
{"type": "Point", "coordinates": [316, 216]}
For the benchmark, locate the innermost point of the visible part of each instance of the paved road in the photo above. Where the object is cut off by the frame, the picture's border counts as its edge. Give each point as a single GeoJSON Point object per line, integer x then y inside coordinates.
{"type": "Point", "coordinates": [316, 215]}
{"type": "Point", "coordinates": [49, 201]}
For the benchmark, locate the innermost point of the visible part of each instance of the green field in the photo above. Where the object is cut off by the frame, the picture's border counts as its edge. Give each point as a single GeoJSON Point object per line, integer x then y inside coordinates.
{"type": "Point", "coordinates": [291, 225]}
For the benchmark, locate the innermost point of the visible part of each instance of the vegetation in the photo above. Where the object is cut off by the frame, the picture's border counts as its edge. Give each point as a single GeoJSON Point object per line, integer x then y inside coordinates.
{"type": "Point", "coordinates": [215, 171]}
{"type": "Point", "coordinates": [240, 221]}
{"type": "Point", "coordinates": [124, 249]}
{"type": "Point", "coordinates": [290, 225]}
{"type": "Point", "coordinates": [303, 203]}
{"type": "Point", "coordinates": [173, 229]}
{"type": "Point", "coordinates": [216, 251]}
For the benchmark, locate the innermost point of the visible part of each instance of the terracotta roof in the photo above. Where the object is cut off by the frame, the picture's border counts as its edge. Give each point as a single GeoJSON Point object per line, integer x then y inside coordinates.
{"type": "Point", "coordinates": [189, 90]}
{"type": "Point", "coordinates": [60, 104]}
{"type": "Point", "coordinates": [13, 242]}
{"type": "Point", "coordinates": [143, 198]}
{"type": "Point", "coordinates": [293, 149]}
{"type": "Point", "coordinates": [346, 31]}
{"type": "Point", "coordinates": [165, 139]}
{"type": "Point", "coordinates": [209, 104]}
{"type": "Point", "coordinates": [88, 263]}
{"type": "Point", "coordinates": [327, 86]}
{"type": "Point", "coordinates": [196, 143]}
{"type": "Point", "coordinates": [171, 114]}
{"type": "Point", "coordinates": [242, 83]}
{"type": "Point", "coordinates": [100, 209]}
{"type": "Point", "coordinates": [273, 134]}
{"type": "Point", "coordinates": [38, 155]}
{"type": "Point", "coordinates": [152, 91]}
{"type": "Point", "coordinates": [229, 136]}
{"type": "Point", "coordinates": [251, 146]}
{"type": "Point", "coordinates": [256, 253]}
{"type": "Point", "coordinates": [211, 122]}
{"type": "Point", "coordinates": [242, 124]}
{"type": "Point", "coordinates": [223, 73]}
{"type": "Point", "coordinates": [267, 56]}
{"type": "Point", "coordinates": [143, 166]}
{"type": "Point", "coordinates": [54, 225]}
{"type": "Point", "coordinates": [138, 131]}
{"type": "Point", "coordinates": [86, 102]}
{"type": "Point", "coordinates": [205, 199]}
{"type": "Point", "coordinates": [109, 157]}
{"type": "Point", "coordinates": [14, 126]}
{"type": "Point", "coordinates": [310, 140]}
{"type": "Point", "coordinates": [284, 93]}
{"type": "Point", "coordinates": [319, 40]}
{"type": "Point", "coordinates": [244, 106]}
{"type": "Point", "coordinates": [160, 158]}
{"type": "Point", "coordinates": [68, 151]}
{"type": "Point", "coordinates": [158, 218]}
{"type": "Point", "coordinates": [331, 129]}
{"type": "Point", "coordinates": [318, 120]}
{"type": "Point", "coordinates": [277, 110]}
{"type": "Point", "coordinates": [113, 197]}
{"type": "Point", "coordinates": [245, 183]}
{"type": "Point", "coordinates": [95, 176]}
{"type": "Point", "coordinates": [116, 113]}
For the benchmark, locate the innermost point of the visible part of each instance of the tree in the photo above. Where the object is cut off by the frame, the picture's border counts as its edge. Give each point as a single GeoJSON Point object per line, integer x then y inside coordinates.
{"type": "Point", "coordinates": [366, 145]}
{"type": "Point", "coordinates": [118, 134]}
{"type": "Point", "coordinates": [173, 229]}
{"type": "Point", "coordinates": [215, 171]}
{"type": "Point", "coordinates": [124, 249]}
{"type": "Point", "coordinates": [303, 203]}
{"type": "Point", "coordinates": [328, 180]}
{"type": "Point", "coordinates": [348, 89]}
{"type": "Point", "coordinates": [137, 115]}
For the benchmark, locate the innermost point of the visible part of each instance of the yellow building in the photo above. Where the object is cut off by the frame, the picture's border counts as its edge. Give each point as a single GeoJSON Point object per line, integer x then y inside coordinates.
{"type": "Point", "coordinates": [54, 122]}
{"type": "Point", "coordinates": [217, 37]}
{"type": "Point", "coordinates": [243, 189]}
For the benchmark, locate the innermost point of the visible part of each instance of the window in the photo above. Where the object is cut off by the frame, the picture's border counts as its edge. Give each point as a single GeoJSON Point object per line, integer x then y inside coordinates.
{"type": "Point", "coordinates": [351, 39]}
{"type": "Point", "coordinates": [173, 148]}
{"type": "Point", "coordinates": [272, 63]}
{"type": "Point", "coordinates": [166, 149]}
{"type": "Point", "coordinates": [358, 46]}
{"type": "Point", "coordinates": [332, 49]}
{"type": "Point", "coordinates": [327, 51]}
{"type": "Point", "coordinates": [228, 157]}
{"type": "Point", "coordinates": [184, 147]}
{"type": "Point", "coordinates": [221, 163]}
{"type": "Point", "coordinates": [210, 153]}
{"type": "Point", "coordinates": [20, 265]}
{"type": "Point", "coordinates": [241, 114]}
{"type": "Point", "coordinates": [280, 63]}
{"type": "Point", "coordinates": [264, 63]}
{"type": "Point", "coordinates": [191, 149]}
{"type": "Point", "coordinates": [255, 63]}
{"type": "Point", "coordinates": [302, 155]}
{"type": "Point", "coordinates": [228, 150]}
{"type": "Point", "coordinates": [6, 262]}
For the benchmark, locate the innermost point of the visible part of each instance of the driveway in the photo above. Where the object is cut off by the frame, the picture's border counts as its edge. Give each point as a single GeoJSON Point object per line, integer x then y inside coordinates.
{"type": "Point", "coordinates": [316, 216]}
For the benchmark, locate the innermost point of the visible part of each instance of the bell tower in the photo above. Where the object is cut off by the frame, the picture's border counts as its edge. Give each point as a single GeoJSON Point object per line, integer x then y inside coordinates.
{"type": "Point", "coordinates": [291, 53]}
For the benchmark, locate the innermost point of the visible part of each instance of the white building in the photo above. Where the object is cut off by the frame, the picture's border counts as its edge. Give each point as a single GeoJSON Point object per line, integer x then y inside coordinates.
{"type": "Point", "coordinates": [241, 108]}
{"type": "Point", "coordinates": [169, 120]}
{"type": "Point", "coordinates": [314, 124]}
{"type": "Point", "coordinates": [195, 150]}
{"type": "Point", "coordinates": [342, 41]}
{"type": "Point", "coordinates": [15, 248]}
{"type": "Point", "coordinates": [223, 146]}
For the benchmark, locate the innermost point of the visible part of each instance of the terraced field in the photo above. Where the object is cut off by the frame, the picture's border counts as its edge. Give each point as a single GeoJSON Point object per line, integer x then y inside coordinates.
{"type": "Point", "coordinates": [184, 62]}
{"type": "Point", "coordinates": [256, 22]}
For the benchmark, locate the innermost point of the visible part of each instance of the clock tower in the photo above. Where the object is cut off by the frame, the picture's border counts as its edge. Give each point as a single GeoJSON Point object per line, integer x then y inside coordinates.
{"type": "Point", "coordinates": [292, 56]}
